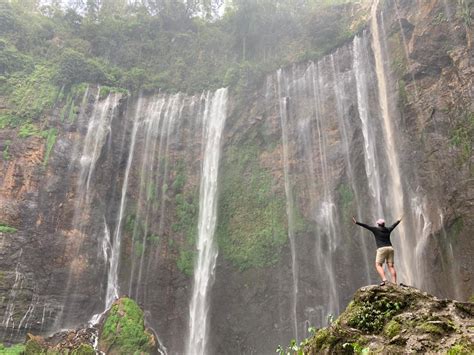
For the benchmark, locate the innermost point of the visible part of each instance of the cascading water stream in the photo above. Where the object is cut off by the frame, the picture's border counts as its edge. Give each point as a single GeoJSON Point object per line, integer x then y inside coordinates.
{"type": "Point", "coordinates": [326, 214]}
{"type": "Point", "coordinates": [340, 80]}
{"type": "Point", "coordinates": [151, 125]}
{"type": "Point", "coordinates": [372, 168]}
{"type": "Point", "coordinates": [283, 101]}
{"type": "Point", "coordinates": [213, 124]}
{"type": "Point", "coordinates": [395, 189]}
{"type": "Point", "coordinates": [112, 277]}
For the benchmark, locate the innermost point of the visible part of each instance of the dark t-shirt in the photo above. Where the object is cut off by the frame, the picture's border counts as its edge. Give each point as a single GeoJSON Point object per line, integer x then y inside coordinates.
{"type": "Point", "coordinates": [381, 234]}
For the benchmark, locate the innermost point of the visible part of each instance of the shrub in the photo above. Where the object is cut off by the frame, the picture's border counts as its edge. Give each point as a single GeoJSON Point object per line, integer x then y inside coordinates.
{"type": "Point", "coordinates": [75, 68]}
{"type": "Point", "coordinates": [371, 315]}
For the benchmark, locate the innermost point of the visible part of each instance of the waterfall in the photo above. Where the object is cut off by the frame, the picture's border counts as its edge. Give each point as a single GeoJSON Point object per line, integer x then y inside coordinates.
{"type": "Point", "coordinates": [112, 276]}
{"type": "Point", "coordinates": [395, 190]}
{"type": "Point", "coordinates": [213, 124]}
{"type": "Point", "coordinates": [372, 166]}
{"type": "Point", "coordinates": [342, 83]}
{"type": "Point", "coordinates": [282, 88]}
{"type": "Point", "coordinates": [327, 214]}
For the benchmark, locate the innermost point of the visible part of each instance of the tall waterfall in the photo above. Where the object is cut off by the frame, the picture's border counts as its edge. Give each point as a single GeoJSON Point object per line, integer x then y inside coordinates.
{"type": "Point", "coordinates": [283, 100]}
{"type": "Point", "coordinates": [213, 124]}
{"type": "Point", "coordinates": [98, 131]}
{"type": "Point", "coordinates": [112, 278]}
{"type": "Point", "coordinates": [395, 189]}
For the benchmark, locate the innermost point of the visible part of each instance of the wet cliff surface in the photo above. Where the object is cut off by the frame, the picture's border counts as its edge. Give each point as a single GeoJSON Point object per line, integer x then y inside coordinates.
{"type": "Point", "coordinates": [380, 127]}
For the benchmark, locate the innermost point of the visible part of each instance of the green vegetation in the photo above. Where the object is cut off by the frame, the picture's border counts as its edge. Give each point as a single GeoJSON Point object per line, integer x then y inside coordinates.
{"type": "Point", "coordinates": [462, 136]}
{"type": "Point", "coordinates": [50, 141]}
{"type": "Point", "coordinates": [293, 348]}
{"type": "Point", "coordinates": [432, 328]}
{"type": "Point", "coordinates": [84, 349]}
{"type": "Point", "coordinates": [6, 150]}
{"type": "Point", "coordinates": [33, 346]}
{"type": "Point", "coordinates": [7, 229]}
{"type": "Point", "coordinates": [356, 348]}
{"type": "Point", "coordinates": [187, 213]}
{"type": "Point", "coordinates": [149, 45]}
{"type": "Point", "coordinates": [124, 330]}
{"type": "Point", "coordinates": [106, 90]}
{"type": "Point", "coordinates": [251, 224]}
{"type": "Point", "coordinates": [17, 349]}
{"type": "Point", "coordinates": [346, 197]}
{"type": "Point", "coordinates": [464, 11]}
{"type": "Point", "coordinates": [392, 328]}
{"type": "Point", "coordinates": [462, 347]}
{"type": "Point", "coordinates": [455, 229]}
{"type": "Point", "coordinates": [371, 315]}
{"type": "Point", "coordinates": [32, 93]}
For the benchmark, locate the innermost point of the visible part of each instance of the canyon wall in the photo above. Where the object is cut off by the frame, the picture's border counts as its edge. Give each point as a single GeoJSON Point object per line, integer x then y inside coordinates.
{"type": "Point", "coordinates": [381, 127]}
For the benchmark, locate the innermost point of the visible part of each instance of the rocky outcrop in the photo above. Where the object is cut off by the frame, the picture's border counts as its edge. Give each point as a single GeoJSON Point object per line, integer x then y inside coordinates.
{"type": "Point", "coordinates": [395, 319]}
{"type": "Point", "coordinates": [121, 330]}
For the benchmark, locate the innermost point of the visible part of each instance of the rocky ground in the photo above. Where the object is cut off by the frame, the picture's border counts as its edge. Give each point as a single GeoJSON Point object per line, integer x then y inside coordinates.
{"type": "Point", "coordinates": [120, 331]}
{"type": "Point", "coordinates": [395, 319]}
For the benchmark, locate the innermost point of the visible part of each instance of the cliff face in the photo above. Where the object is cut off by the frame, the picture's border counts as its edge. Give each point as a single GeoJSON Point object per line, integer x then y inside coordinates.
{"type": "Point", "coordinates": [382, 126]}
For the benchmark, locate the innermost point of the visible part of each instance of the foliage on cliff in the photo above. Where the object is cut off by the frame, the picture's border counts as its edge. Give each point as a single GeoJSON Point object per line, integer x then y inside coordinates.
{"type": "Point", "coordinates": [123, 330]}
{"type": "Point", "coordinates": [166, 46]}
{"type": "Point", "coordinates": [394, 319]}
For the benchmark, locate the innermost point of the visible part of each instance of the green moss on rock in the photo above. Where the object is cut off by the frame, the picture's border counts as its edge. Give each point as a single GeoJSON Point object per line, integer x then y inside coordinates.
{"type": "Point", "coordinates": [252, 219]}
{"type": "Point", "coordinates": [392, 329]}
{"type": "Point", "coordinates": [431, 328]}
{"type": "Point", "coordinates": [84, 349]}
{"type": "Point", "coordinates": [123, 331]}
{"type": "Point", "coordinates": [7, 229]}
{"type": "Point", "coordinates": [17, 349]}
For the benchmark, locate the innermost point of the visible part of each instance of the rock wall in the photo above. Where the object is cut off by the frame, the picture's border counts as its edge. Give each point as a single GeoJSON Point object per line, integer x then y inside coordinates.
{"type": "Point", "coordinates": [296, 164]}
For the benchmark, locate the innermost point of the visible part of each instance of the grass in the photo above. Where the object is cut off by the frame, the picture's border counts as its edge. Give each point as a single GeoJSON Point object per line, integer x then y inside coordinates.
{"type": "Point", "coordinates": [7, 229]}
{"type": "Point", "coordinates": [50, 141]}
{"type": "Point", "coordinates": [6, 150]}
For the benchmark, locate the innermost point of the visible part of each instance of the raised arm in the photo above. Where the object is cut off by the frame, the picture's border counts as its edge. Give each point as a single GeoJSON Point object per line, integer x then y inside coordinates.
{"type": "Point", "coordinates": [366, 226]}
{"type": "Point", "coordinates": [392, 227]}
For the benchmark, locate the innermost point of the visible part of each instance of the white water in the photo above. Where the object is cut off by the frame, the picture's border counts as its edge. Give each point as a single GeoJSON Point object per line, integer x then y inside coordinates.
{"type": "Point", "coordinates": [341, 83]}
{"type": "Point", "coordinates": [283, 100]}
{"type": "Point", "coordinates": [327, 213]}
{"type": "Point", "coordinates": [112, 277]}
{"type": "Point", "coordinates": [17, 287]}
{"type": "Point", "coordinates": [213, 124]}
{"type": "Point", "coordinates": [407, 270]}
{"type": "Point", "coordinates": [372, 169]}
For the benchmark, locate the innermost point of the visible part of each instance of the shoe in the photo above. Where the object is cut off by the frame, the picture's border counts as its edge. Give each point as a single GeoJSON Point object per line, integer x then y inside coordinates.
{"type": "Point", "coordinates": [383, 283]}
{"type": "Point", "coordinates": [403, 285]}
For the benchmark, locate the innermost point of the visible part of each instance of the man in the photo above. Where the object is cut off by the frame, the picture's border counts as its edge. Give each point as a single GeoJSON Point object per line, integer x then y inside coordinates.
{"type": "Point", "coordinates": [385, 250]}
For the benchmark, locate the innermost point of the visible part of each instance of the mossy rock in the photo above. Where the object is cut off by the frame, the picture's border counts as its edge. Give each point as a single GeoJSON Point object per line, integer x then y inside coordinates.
{"type": "Point", "coordinates": [392, 329]}
{"type": "Point", "coordinates": [35, 345]}
{"type": "Point", "coordinates": [431, 327]}
{"type": "Point", "coordinates": [84, 349]}
{"type": "Point", "coordinates": [124, 332]}
{"type": "Point", "coordinates": [17, 349]}
{"type": "Point", "coordinates": [462, 347]}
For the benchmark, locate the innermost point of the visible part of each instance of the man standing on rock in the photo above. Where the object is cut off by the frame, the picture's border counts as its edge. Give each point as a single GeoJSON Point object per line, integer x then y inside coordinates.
{"type": "Point", "coordinates": [385, 250]}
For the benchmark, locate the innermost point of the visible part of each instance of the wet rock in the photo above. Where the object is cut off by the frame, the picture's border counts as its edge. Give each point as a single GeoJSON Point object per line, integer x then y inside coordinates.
{"type": "Point", "coordinates": [423, 323]}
